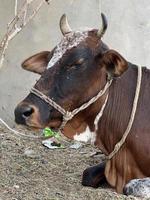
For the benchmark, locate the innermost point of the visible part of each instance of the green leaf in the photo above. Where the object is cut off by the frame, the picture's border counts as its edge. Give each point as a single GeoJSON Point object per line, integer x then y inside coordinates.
{"type": "Point", "coordinates": [47, 132]}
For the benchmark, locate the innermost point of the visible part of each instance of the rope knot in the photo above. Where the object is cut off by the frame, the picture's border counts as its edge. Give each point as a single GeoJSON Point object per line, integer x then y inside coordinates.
{"type": "Point", "coordinates": [68, 116]}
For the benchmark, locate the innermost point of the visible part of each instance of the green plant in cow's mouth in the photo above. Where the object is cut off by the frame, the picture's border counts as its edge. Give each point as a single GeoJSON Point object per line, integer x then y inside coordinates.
{"type": "Point", "coordinates": [48, 132]}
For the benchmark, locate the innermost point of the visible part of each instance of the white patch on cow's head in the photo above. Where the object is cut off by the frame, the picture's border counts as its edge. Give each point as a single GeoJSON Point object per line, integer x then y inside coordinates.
{"type": "Point", "coordinates": [69, 41]}
{"type": "Point", "coordinates": [86, 136]}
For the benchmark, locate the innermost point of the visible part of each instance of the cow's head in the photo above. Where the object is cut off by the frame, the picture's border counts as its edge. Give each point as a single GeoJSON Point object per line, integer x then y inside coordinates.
{"type": "Point", "coordinates": [73, 72]}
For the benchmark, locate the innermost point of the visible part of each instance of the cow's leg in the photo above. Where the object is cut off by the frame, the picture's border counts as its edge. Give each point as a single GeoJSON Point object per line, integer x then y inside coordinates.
{"type": "Point", "coordinates": [94, 176]}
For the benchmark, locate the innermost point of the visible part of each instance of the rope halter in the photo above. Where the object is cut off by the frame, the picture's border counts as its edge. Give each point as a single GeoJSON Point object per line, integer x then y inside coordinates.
{"type": "Point", "coordinates": [68, 115]}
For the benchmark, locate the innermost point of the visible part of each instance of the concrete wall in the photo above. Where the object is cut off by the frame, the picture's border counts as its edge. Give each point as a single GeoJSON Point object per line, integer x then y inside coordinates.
{"type": "Point", "coordinates": [128, 32]}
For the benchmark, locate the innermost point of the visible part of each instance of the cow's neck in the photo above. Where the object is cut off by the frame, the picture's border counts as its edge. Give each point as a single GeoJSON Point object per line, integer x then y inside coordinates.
{"type": "Point", "coordinates": [117, 112]}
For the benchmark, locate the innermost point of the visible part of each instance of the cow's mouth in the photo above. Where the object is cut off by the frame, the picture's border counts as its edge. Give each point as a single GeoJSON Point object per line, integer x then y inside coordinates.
{"type": "Point", "coordinates": [35, 124]}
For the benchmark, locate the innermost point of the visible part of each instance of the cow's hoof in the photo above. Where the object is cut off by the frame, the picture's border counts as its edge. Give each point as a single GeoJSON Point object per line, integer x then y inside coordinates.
{"type": "Point", "coordinates": [138, 187]}
{"type": "Point", "coordinates": [94, 176]}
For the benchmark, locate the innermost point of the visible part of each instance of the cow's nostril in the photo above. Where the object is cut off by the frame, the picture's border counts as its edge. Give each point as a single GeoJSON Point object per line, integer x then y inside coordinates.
{"type": "Point", "coordinates": [27, 112]}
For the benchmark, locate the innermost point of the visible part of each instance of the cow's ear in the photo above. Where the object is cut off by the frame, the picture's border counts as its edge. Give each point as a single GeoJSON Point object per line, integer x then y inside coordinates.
{"type": "Point", "coordinates": [37, 63]}
{"type": "Point", "coordinates": [115, 64]}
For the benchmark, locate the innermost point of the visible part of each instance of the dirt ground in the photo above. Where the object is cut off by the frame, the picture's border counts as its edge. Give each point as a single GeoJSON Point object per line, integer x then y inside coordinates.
{"type": "Point", "coordinates": [30, 171]}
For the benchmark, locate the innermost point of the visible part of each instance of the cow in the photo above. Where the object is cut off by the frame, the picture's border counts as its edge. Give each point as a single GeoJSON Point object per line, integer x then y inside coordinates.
{"type": "Point", "coordinates": [79, 68]}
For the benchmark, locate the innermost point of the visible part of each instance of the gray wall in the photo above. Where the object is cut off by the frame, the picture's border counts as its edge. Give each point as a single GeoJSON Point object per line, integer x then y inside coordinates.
{"type": "Point", "coordinates": [128, 33]}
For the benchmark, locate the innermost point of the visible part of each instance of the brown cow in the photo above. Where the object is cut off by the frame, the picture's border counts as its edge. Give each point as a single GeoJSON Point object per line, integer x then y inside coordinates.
{"type": "Point", "coordinates": [74, 72]}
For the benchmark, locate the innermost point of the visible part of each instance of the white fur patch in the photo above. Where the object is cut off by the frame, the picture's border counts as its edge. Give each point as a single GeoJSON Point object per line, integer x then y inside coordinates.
{"type": "Point", "coordinates": [138, 188]}
{"type": "Point", "coordinates": [86, 136]}
{"type": "Point", "coordinates": [69, 41]}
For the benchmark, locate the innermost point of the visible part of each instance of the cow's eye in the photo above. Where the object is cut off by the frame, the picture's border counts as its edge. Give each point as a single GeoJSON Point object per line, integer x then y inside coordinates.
{"type": "Point", "coordinates": [76, 64]}
{"type": "Point", "coordinates": [80, 61]}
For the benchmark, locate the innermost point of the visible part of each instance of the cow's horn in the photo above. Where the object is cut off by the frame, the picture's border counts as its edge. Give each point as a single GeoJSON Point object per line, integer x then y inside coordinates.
{"type": "Point", "coordinates": [64, 26]}
{"type": "Point", "coordinates": [102, 31]}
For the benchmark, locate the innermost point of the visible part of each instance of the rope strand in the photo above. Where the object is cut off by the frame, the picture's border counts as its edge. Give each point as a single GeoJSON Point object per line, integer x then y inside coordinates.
{"type": "Point", "coordinates": [17, 133]}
